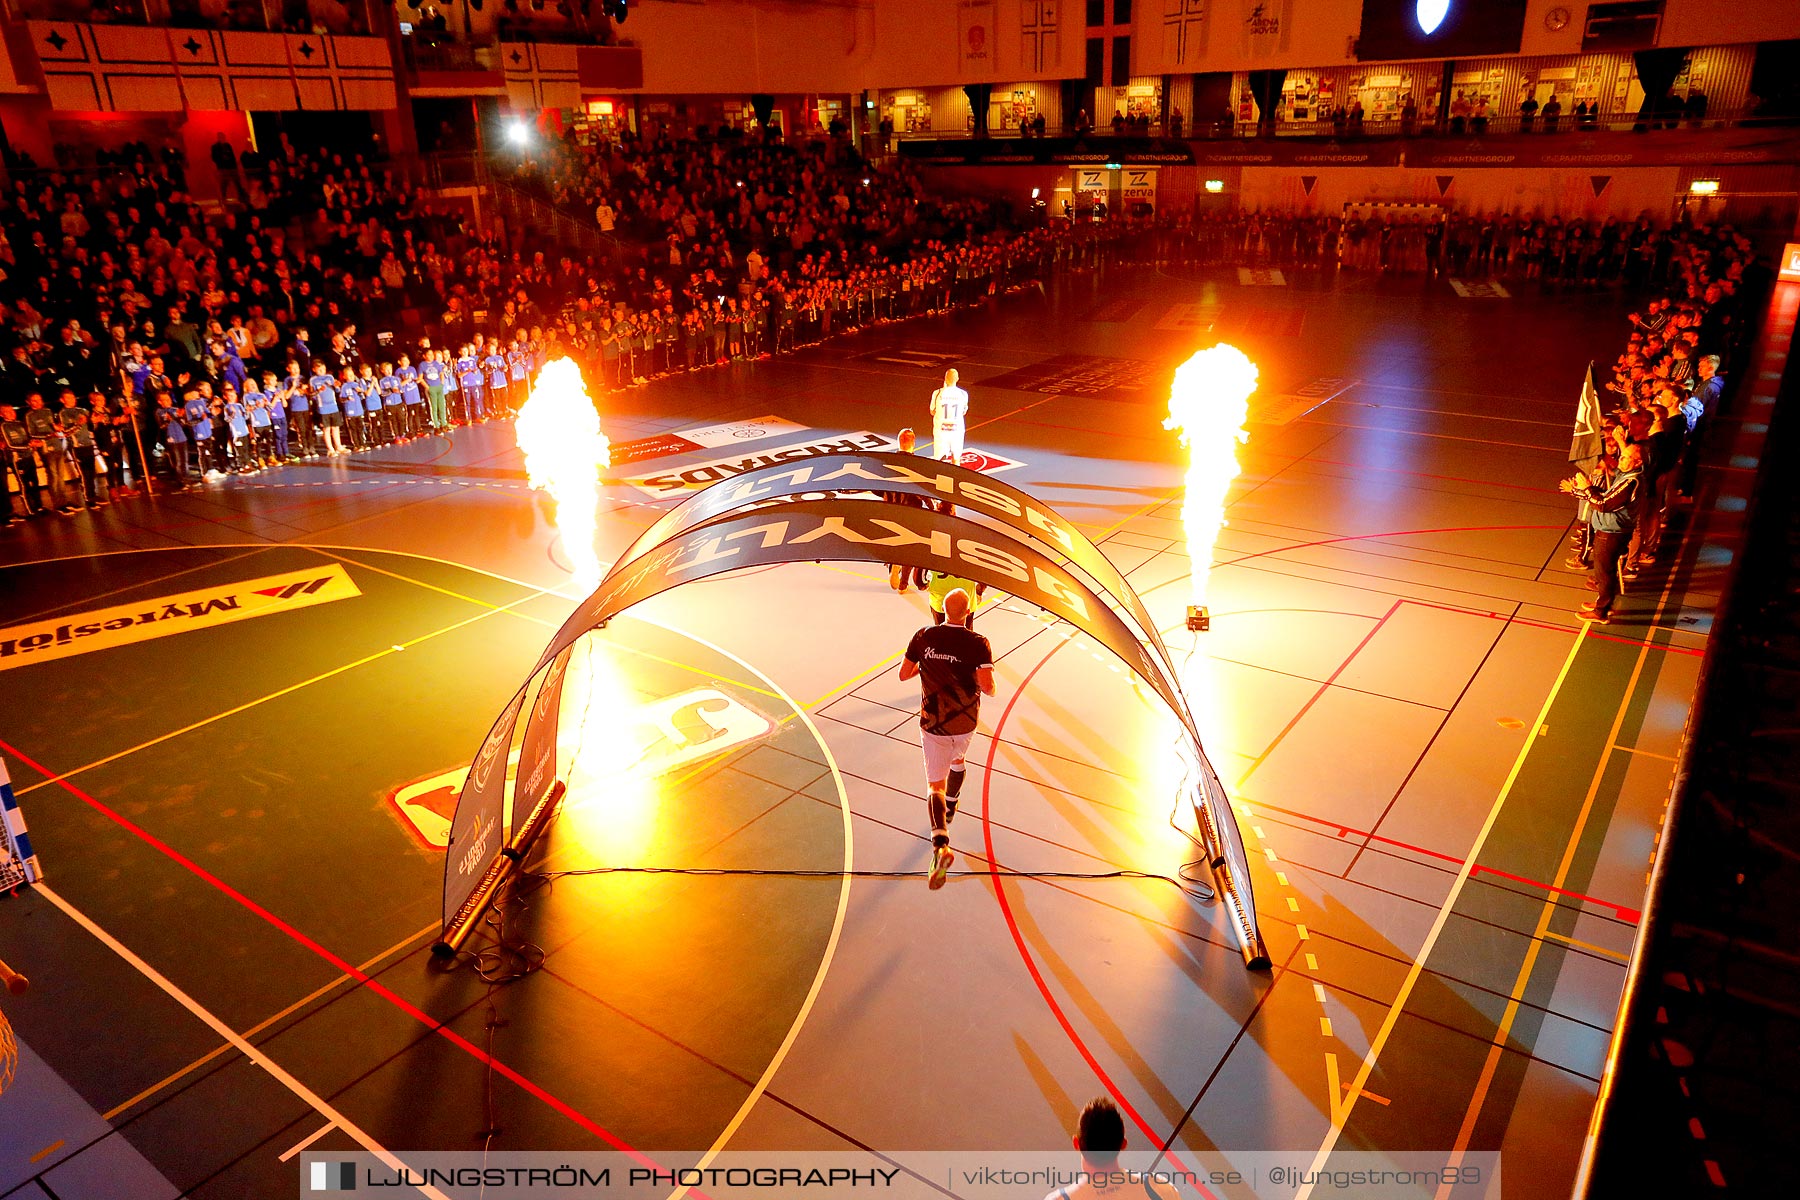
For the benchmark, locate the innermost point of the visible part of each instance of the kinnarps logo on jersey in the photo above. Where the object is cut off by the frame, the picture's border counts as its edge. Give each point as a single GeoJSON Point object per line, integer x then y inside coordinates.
{"type": "Point", "coordinates": [105, 628]}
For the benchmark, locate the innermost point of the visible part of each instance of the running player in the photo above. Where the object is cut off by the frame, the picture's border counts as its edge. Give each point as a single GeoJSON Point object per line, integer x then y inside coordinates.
{"type": "Point", "coordinates": [955, 668]}
{"type": "Point", "coordinates": [949, 411]}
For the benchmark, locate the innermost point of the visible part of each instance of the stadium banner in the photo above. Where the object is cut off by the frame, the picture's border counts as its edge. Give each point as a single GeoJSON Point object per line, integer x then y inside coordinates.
{"type": "Point", "coordinates": [1099, 151]}
{"type": "Point", "coordinates": [911, 475]}
{"type": "Point", "coordinates": [1606, 150]}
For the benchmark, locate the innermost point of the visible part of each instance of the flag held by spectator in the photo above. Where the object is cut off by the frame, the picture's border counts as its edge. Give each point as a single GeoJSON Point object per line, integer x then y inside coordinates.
{"type": "Point", "coordinates": [1589, 437]}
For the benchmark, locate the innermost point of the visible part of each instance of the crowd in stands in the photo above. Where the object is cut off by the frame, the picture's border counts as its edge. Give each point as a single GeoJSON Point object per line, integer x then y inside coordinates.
{"type": "Point", "coordinates": [327, 307]}
{"type": "Point", "coordinates": [1668, 384]}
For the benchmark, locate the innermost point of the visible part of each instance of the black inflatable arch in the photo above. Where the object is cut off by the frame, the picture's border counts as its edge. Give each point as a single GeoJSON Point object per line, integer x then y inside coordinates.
{"type": "Point", "coordinates": [1021, 547]}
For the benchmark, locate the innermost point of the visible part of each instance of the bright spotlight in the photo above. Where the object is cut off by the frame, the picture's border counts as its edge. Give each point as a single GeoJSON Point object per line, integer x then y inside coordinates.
{"type": "Point", "coordinates": [1704, 187]}
{"type": "Point", "coordinates": [1034, 193]}
{"type": "Point", "coordinates": [518, 133]}
{"type": "Point", "coordinates": [1215, 186]}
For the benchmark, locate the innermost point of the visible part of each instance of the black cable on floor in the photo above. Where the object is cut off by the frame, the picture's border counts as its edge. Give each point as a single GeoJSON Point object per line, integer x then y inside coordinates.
{"type": "Point", "coordinates": [1181, 879]}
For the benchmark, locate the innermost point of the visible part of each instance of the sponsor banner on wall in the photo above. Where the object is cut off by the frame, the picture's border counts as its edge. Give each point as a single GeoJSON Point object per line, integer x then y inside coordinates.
{"type": "Point", "coordinates": [1137, 184]}
{"type": "Point", "coordinates": [1126, 151]}
{"type": "Point", "coordinates": [164, 616]}
{"type": "Point", "coordinates": [1652, 148]}
{"type": "Point", "coordinates": [975, 36]}
{"type": "Point", "coordinates": [1264, 25]}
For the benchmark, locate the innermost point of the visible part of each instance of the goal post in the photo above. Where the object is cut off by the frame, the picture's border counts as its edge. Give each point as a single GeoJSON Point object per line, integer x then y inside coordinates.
{"type": "Point", "coordinates": [18, 864]}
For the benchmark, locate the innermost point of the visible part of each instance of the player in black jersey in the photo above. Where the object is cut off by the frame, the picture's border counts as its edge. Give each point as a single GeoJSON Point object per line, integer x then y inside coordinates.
{"type": "Point", "coordinates": [955, 668]}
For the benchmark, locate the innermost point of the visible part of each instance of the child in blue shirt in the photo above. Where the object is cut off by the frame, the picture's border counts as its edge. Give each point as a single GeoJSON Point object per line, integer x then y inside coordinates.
{"type": "Point", "coordinates": [431, 374]}
{"type": "Point", "coordinates": [468, 373]}
{"type": "Point", "coordinates": [356, 423]}
{"type": "Point", "coordinates": [499, 397]}
{"type": "Point", "coordinates": [392, 401]}
{"type": "Point", "coordinates": [413, 397]}
{"type": "Point", "coordinates": [325, 399]}
{"type": "Point", "coordinates": [262, 434]}
{"type": "Point", "coordinates": [278, 414]}
{"type": "Point", "coordinates": [198, 416]}
{"type": "Point", "coordinates": [237, 420]}
{"type": "Point", "coordinates": [300, 411]}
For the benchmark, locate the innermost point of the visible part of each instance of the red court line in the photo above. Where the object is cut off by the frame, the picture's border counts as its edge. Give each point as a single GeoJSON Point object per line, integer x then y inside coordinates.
{"type": "Point", "coordinates": [1518, 487]}
{"type": "Point", "coordinates": [342, 965]}
{"type": "Point", "coordinates": [1474, 612]}
{"type": "Point", "coordinates": [1593, 634]}
{"type": "Point", "coordinates": [1625, 913]}
{"type": "Point", "coordinates": [1322, 689]}
{"type": "Point", "coordinates": [1012, 926]}
{"type": "Point", "coordinates": [1394, 533]}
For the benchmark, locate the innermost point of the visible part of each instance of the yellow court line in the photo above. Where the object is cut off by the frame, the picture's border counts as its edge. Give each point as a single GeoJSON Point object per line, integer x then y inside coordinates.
{"type": "Point", "coordinates": [536, 620]}
{"type": "Point", "coordinates": [837, 923]}
{"type": "Point", "coordinates": [276, 695]}
{"type": "Point", "coordinates": [1589, 946]}
{"type": "Point", "coordinates": [257, 1028]}
{"type": "Point", "coordinates": [212, 1021]}
{"type": "Point", "coordinates": [1668, 758]}
{"type": "Point", "coordinates": [1514, 1003]}
{"type": "Point", "coordinates": [1341, 1117]}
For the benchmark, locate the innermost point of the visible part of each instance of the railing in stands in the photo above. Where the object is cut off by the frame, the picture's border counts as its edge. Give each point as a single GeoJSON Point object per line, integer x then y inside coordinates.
{"type": "Point", "coordinates": [1539, 126]}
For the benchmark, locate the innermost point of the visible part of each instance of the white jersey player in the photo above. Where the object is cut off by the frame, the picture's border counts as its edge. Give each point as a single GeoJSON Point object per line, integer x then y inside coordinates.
{"type": "Point", "coordinates": [949, 412]}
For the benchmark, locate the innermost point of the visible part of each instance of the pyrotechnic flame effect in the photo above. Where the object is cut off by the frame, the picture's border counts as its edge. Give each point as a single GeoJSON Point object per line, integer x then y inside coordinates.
{"type": "Point", "coordinates": [1208, 406]}
{"type": "Point", "coordinates": [559, 431]}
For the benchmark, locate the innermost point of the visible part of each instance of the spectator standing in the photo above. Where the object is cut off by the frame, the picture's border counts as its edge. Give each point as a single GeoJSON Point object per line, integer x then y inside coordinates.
{"type": "Point", "coordinates": [1099, 1139]}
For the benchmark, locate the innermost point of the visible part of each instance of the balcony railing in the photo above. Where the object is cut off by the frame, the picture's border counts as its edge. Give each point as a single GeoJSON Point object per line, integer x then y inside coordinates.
{"type": "Point", "coordinates": [1385, 127]}
{"type": "Point", "coordinates": [259, 16]}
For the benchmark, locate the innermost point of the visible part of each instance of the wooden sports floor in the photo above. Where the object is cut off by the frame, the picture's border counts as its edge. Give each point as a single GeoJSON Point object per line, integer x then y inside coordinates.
{"type": "Point", "coordinates": [1448, 784]}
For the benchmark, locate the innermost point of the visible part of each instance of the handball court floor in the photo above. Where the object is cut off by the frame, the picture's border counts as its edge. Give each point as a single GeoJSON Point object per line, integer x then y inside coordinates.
{"type": "Point", "coordinates": [1448, 784]}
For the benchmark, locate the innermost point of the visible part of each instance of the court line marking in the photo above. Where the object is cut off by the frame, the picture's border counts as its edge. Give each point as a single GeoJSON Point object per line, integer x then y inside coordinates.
{"type": "Point", "coordinates": [249, 704]}
{"type": "Point", "coordinates": [843, 894]}
{"type": "Point", "coordinates": [1503, 1031]}
{"type": "Point", "coordinates": [1642, 753]}
{"type": "Point", "coordinates": [312, 1099]}
{"type": "Point", "coordinates": [257, 1028]}
{"type": "Point", "coordinates": [837, 924]}
{"type": "Point", "coordinates": [1018, 935]}
{"type": "Point", "coordinates": [306, 1141]}
{"type": "Point", "coordinates": [1616, 955]}
{"type": "Point", "coordinates": [1340, 1119]}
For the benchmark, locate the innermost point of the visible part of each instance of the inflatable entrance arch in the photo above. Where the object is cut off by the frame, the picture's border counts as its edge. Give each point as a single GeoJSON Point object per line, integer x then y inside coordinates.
{"type": "Point", "coordinates": [817, 509]}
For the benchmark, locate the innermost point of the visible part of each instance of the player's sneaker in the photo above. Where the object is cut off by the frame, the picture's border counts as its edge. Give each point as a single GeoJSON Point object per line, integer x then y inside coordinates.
{"type": "Point", "coordinates": [941, 858]}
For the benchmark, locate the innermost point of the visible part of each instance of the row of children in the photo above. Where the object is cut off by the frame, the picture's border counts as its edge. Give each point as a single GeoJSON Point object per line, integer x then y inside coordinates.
{"type": "Point", "coordinates": [289, 417]}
